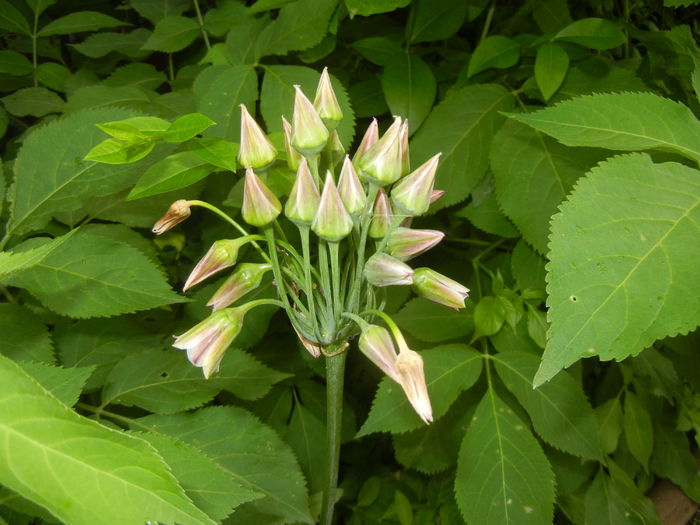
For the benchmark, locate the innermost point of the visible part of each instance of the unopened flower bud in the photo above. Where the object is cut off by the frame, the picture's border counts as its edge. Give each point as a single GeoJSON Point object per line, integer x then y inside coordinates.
{"type": "Point", "coordinates": [304, 199]}
{"type": "Point", "coordinates": [434, 286]}
{"type": "Point", "coordinates": [381, 216]}
{"type": "Point", "coordinates": [382, 163]}
{"type": "Point", "coordinates": [405, 243]}
{"type": "Point", "coordinates": [178, 212]}
{"type": "Point", "coordinates": [384, 270]}
{"type": "Point", "coordinates": [256, 151]}
{"type": "Point", "coordinates": [409, 367]}
{"type": "Point", "coordinates": [222, 254]}
{"type": "Point", "coordinates": [405, 160]}
{"type": "Point", "coordinates": [376, 343]}
{"type": "Point", "coordinates": [368, 140]}
{"type": "Point", "coordinates": [247, 277]}
{"type": "Point", "coordinates": [332, 221]}
{"type": "Point", "coordinates": [293, 156]}
{"type": "Point", "coordinates": [336, 148]}
{"type": "Point", "coordinates": [435, 195]}
{"type": "Point", "coordinates": [260, 206]}
{"type": "Point", "coordinates": [326, 103]}
{"type": "Point", "coordinates": [412, 194]}
{"type": "Point", "coordinates": [350, 189]}
{"type": "Point", "coordinates": [309, 133]}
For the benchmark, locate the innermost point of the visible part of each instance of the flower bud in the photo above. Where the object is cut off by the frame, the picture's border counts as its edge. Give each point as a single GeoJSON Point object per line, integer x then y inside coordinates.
{"type": "Point", "coordinates": [381, 216]}
{"type": "Point", "coordinates": [309, 134]}
{"type": "Point", "coordinates": [247, 277]}
{"type": "Point", "coordinates": [222, 254]}
{"type": "Point", "coordinates": [409, 367]}
{"type": "Point", "coordinates": [376, 343]}
{"type": "Point", "coordinates": [436, 287]}
{"type": "Point", "coordinates": [336, 148]}
{"type": "Point", "coordinates": [405, 160]}
{"type": "Point", "coordinates": [304, 199]}
{"type": "Point", "coordinates": [435, 195]}
{"type": "Point", "coordinates": [325, 102]}
{"type": "Point", "coordinates": [332, 221]}
{"type": "Point", "coordinates": [412, 194]}
{"type": "Point", "coordinates": [384, 270]}
{"type": "Point", "coordinates": [256, 151]}
{"type": "Point", "coordinates": [178, 212]}
{"type": "Point", "coordinates": [260, 206]}
{"type": "Point", "coordinates": [382, 163]}
{"type": "Point", "coordinates": [293, 156]}
{"type": "Point", "coordinates": [350, 188]}
{"type": "Point", "coordinates": [370, 139]}
{"type": "Point", "coordinates": [405, 243]}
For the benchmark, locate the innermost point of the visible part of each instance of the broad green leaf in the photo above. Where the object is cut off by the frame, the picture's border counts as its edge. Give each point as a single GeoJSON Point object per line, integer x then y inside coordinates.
{"type": "Point", "coordinates": [431, 21]}
{"type": "Point", "coordinates": [20, 260]}
{"type": "Point", "coordinates": [135, 128]}
{"type": "Point", "coordinates": [172, 173]}
{"type": "Point", "coordinates": [613, 121]}
{"type": "Point", "coordinates": [484, 213]}
{"type": "Point", "coordinates": [409, 88]}
{"type": "Point", "coordinates": [609, 416]}
{"type": "Point", "coordinates": [14, 63]}
{"type": "Point", "coordinates": [115, 151]}
{"type": "Point", "coordinates": [186, 127]}
{"type": "Point", "coordinates": [489, 315]}
{"type": "Point", "coordinates": [403, 508]}
{"type": "Point", "coordinates": [221, 153]}
{"type": "Point", "coordinates": [101, 44]}
{"type": "Point", "coordinates": [79, 22]}
{"type": "Point", "coordinates": [672, 457]}
{"type": "Point", "coordinates": [219, 91]}
{"type": "Point", "coordinates": [303, 436]}
{"type": "Point", "coordinates": [559, 410]}
{"type": "Point", "coordinates": [597, 75]}
{"type": "Point", "coordinates": [34, 101]}
{"type": "Point", "coordinates": [52, 75]}
{"type": "Point", "coordinates": [537, 326]}
{"type": "Point", "coordinates": [605, 503]}
{"type": "Point", "coordinates": [551, 66]}
{"type": "Point", "coordinates": [533, 174]}
{"type": "Point", "coordinates": [103, 465]}
{"type": "Point", "coordinates": [596, 33]}
{"type": "Point", "coordinates": [172, 33]}
{"type": "Point", "coordinates": [24, 335]}
{"type": "Point", "coordinates": [461, 127]}
{"type": "Point", "coordinates": [12, 20]}
{"type": "Point", "coordinates": [656, 374]}
{"type": "Point", "coordinates": [432, 322]}
{"type": "Point", "coordinates": [244, 376]}
{"type": "Point", "coordinates": [502, 474]}
{"type": "Point", "coordinates": [155, 10]}
{"type": "Point", "coordinates": [639, 432]}
{"type": "Point", "coordinates": [494, 51]}
{"type": "Point", "coordinates": [38, 6]}
{"type": "Point", "coordinates": [379, 50]}
{"type": "Point", "coordinates": [91, 276]}
{"type": "Point", "coordinates": [139, 74]}
{"type": "Point", "coordinates": [552, 16]}
{"type": "Point", "coordinates": [373, 7]}
{"type": "Point", "coordinates": [250, 453]}
{"type": "Point", "coordinates": [449, 370]}
{"type": "Point", "coordinates": [99, 96]}
{"type": "Point", "coordinates": [241, 41]}
{"type": "Point", "coordinates": [621, 270]}
{"type": "Point", "coordinates": [636, 503]}
{"type": "Point", "coordinates": [65, 384]}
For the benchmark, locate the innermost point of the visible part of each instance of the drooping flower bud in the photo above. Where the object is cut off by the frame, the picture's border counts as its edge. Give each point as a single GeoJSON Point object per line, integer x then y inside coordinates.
{"type": "Point", "coordinates": [405, 243]}
{"type": "Point", "coordinates": [382, 163]}
{"type": "Point", "coordinates": [256, 151]}
{"type": "Point", "coordinates": [384, 270]}
{"type": "Point", "coordinates": [304, 199]}
{"type": "Point", "coordinates": [309, 133]}
{"type": "Point", "coordinates": [332, 221]}
{"type": "Point", "coordinates": [350, 188]}
{"type": "Point", "coordinates": [409, 367]}
{"type": "Point", "coordinates": [247, 277]}
{"type": "Point", "coordinates": [260, 206]}
{"type": "Point", "coordinates": [326, 103]}
{"type": "Point", "coordinates": [434, 286]}
{"type": "Point", "coordinates": [178, 212]}
{"type": "Point", "coordinates": [222, 254]}
{"type": "Point", "coordinates": [405, 160]}
{"type": "Point", "coordinates": [412, 194]}
{"type": "Point", "coordinates": [381, 216]}
{"type": "Point", "coordinates": [376, 343]}
{"type": "Point", "coordinates": [368, 140]}
{"type": "Point", "coordinates": [293, 156]}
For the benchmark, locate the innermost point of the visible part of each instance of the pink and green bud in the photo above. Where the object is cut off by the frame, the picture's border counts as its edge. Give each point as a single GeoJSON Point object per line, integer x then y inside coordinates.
{"type": "Point", "coordinates": [207, 342]}
{"type": "Point", "coordinates": [304, 199]}
{"type": "Point", "coordinates": [370, 139]}
{"type": "Point", "coordinates": [412, 194]}
{"type": "Point", "coordinates": [435, 195]}
{"type": "Point", "coordinates": [332, 221]}
{"type": "Point", "coordinates": [309, 133]}
{"type": "Point", "coordinates": [326, 103]}
{"type": "Point", "coordinates": [256, 151]}
{"type": "Point", "coordinates": [246, 278]}
{"type": "Point", "coordinates": [222, 254]}
{"type": "Point", "coordinates": [350, 188]}
{"type": "Point", "coordinates": [178, 212]}
{"type": "Point", "coordinates": [336, 148]}
{"type": "Point", "coordinates": [405, 160]}
{"type": "Point", "coordinates": [436, 287]}
{"type": "Point", "coordinates": [376, 343]}
{"type": "Point", "coordinates": [384, 270]}
{"type": "Point", "coordinates": [382, 163]}
{"type": "Point", "coordinates": [409, 367]}
{"type": "Point", "coordinates": [260, 206]}
{"type": "Point", "coordinates": [293, 156]}
{"type": "Point", "coordinates": [406, 243]}
{"type": "Point", "coordinates": [381, 216]}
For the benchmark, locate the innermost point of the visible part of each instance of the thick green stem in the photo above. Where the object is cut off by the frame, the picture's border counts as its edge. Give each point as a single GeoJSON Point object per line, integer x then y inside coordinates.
{"type": "Point", "coordinates": [335, 371]}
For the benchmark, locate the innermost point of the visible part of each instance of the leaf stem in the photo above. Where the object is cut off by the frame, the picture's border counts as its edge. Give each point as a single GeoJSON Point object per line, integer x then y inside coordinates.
{"type": "Point", "coordinates": [308, 283]}
{"type": "Point", "coordinates": [201, 25]}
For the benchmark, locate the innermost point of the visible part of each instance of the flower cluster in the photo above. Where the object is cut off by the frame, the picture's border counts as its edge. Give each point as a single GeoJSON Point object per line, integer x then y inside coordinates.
{"type": "Point", "coordinates": [353, 215]}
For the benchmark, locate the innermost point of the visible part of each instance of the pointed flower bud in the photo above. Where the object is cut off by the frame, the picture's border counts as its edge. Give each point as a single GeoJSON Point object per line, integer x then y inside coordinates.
{"type": "Point", "coordinates": [412, 194]}
{"type": "Point", "coordinates": [405, 243]}
{"type": "Point", "coordinates": [370, 139]}
{"type": "Point", "coordinates": [436, 287]}
{"type": "Point", "coordinates": [409, 367]}
{"type": "Point", "coordinates": [405, 160]}
{"type": "Point", "coordinates": [325, 102]}
{"type": "Point", "coordinates": [247, 277]}
{"type": "Point", "coordinates": [309, 134]}
{"type": "Point", "coordinates": [260, 206]}
{"type": "Point", "coordinates": [336, 148]}
{"type": "Point", "coordinates": [435, 195]}
{"type": "Point", "coordinates": [178, 212]}
{"type": "Point", "coordinates": [304, 199]}
{"type": "Point", "coordinates": [384, 270]}
{"type": "Point", "coordinates": [222, 254]}
{"type": "Point", "coordinates": [376, 343]}
{"type": "Point", "coordinates": [350, 189]}
{"type": "Point", "coordinates": [256, 151]}
{"type": "Point", "coordinates": [332, 221]}
{"type": "Point", "coordinates": [207, 342]}
{"type": "Point", "coordinates": [382, 162]}
{"type": "Point", "coordinates": [293, 156]}
{"type": "Point", "coordinates": [381, 216]}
